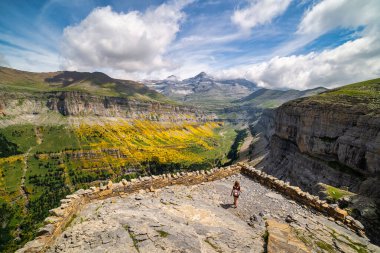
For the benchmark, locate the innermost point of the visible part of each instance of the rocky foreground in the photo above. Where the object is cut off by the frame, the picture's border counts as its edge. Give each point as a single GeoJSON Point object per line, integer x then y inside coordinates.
{"type": "Point", "coordinates": [200, 218]}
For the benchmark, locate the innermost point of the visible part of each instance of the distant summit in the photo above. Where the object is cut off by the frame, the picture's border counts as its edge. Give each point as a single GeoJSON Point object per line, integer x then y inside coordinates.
{"type": "Point", "coordinates": [172, 78]}
{"type": "Point", "coordinates": [203, 75]}
{"type": "Point", "coordinates": [203, 88]}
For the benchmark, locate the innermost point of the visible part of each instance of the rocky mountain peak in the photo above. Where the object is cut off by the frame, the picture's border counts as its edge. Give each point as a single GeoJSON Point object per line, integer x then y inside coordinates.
{"type": "Point", "coordinates": [203, 75]}
{"type": "Point", "coordinates": [172, 78]}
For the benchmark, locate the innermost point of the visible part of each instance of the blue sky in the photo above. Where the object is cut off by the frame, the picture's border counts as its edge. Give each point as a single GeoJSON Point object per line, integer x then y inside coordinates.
{"type": "Point", "coordinates": [276, 43]}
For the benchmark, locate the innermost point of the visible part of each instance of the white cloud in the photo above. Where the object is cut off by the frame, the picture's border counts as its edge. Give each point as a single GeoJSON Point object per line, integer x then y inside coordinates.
{"type": "Point", "coordinates": [330, 14]}
{"type": "Point", "coordinates": [259, 12]}
{"type": "Point", "coordinates": [355, 60]}
{"type": "Point", "coordinates": [132, 41]}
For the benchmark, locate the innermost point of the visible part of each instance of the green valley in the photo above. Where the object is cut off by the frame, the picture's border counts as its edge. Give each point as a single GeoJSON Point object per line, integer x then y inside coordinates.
{"type": "Point", "coordinates": [68, 130]}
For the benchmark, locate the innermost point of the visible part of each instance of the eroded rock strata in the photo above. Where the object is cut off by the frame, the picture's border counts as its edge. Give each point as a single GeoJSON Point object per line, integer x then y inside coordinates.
{"type": "Point", "coordinates": [334, 142]}
{"type": "Point", "coordinates": [34, 107]}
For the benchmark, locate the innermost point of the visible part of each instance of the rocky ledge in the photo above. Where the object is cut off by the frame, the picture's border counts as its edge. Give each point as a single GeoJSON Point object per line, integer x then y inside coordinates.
{"type": "Point", "coordinates": [258, 193]}
{"type": "Point", "coordinates": [200, 218]}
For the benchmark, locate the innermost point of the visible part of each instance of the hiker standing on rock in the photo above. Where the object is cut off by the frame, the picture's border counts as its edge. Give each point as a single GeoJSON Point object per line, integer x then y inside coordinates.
{"type": "Point", "coordinates": [236, 192]}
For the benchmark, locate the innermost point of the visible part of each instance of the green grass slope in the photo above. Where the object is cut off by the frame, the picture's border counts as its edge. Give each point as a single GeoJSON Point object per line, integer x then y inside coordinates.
{"type": "Point", "coordinates": [365, 94]}
{"type": "Point", "coordinates": [266, 98]}
{"type": "Point", "coordinates": [95, 83]}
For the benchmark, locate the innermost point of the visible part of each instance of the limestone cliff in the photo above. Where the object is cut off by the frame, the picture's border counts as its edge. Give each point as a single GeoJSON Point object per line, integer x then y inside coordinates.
{"type": "Point", "coordinates": [35, 106]}
{"type": "Point", "coordinates": [333, 138]}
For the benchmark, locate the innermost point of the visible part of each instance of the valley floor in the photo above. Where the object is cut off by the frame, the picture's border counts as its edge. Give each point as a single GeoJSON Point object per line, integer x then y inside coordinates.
{"type": "Point", "coordinates": [200, 218]}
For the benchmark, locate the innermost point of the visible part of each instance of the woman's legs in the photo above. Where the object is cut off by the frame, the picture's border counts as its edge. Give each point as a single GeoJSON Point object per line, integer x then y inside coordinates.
{"type": "Point", "coordinates": [235, 201]}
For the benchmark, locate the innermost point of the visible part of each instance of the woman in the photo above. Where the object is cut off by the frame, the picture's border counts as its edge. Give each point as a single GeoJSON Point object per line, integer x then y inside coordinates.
{"type": "Point", "coordinates": [236, 192]}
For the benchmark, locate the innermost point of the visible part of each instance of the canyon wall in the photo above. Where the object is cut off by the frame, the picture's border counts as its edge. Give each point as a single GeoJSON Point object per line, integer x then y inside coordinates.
{"type": "Point", "coordinates": [334, 143]}
{"type": "Point", "coordinates": [81, 104]}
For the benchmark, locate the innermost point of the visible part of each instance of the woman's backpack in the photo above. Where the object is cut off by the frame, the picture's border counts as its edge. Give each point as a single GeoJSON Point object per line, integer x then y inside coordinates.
{"type": "Point", "coordinates": [236, 192]}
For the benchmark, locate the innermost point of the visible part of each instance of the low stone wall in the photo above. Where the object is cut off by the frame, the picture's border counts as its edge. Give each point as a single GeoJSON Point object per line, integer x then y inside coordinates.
{"type": "Point", "coordinates": [62, 216]}
{"type": "Point", "coordinates": [305, 198]}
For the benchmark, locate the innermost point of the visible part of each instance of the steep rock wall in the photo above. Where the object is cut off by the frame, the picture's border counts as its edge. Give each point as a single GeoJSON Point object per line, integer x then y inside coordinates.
{"type": "Point", "coordinates": [82, 104]}
{"type": "Point", "coordinates": [334, 143]}
{"type": "Point", "coordinates": [342, 142]}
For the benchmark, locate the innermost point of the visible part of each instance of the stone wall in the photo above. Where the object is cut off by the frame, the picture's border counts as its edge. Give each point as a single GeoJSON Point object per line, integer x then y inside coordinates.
{"type": "Point", "coordinates": [62, 216]}
{"type": "Point", "coordinates": [305, 198]}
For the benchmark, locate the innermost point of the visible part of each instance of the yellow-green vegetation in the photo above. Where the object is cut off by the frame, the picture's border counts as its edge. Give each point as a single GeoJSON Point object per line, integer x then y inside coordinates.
{"type": "Point", "coordinates": [139, 141]}
{"type": "Point", "coordinates": [265, 98]}
{"type": "Point", "coordinates": [334, 193]}
{"type": "Point", "coordinates": [163, 233]}
{"type": "Point", "coordinates": [358, 247]}
{"type": "Point", "coordinates": [240, 137]}
{"type": "Point", "coordinates": [60, 159]}
{"type": "Point", "coordinates": [366, 93]}
{"type": "Point", "coordinates": [313, 241]}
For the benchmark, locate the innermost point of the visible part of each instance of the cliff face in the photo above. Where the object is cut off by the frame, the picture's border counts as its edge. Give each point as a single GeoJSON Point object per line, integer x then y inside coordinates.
{"type": "Point", "coordinates": [333, 138]}
{"type": "Point", "coordinates": [77, 103]}
{"type": "Point", "coordinates": [340, 145]}
{"type": "Point", "coordinates": [83, 104]}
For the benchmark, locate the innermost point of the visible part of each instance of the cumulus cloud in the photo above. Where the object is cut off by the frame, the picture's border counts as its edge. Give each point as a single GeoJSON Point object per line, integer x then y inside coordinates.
{"type": "Point", "coordinates": [330, 14]}
{"type": "Point", "coordinates": [355, 60]}
{"type": "Point", "coordinates": [259, 12]}
{"type": "Point", "coordinates": [132, 41]}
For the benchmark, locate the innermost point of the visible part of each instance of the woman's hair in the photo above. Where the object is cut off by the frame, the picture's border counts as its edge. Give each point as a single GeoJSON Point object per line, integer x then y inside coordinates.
{"type": "Point", "coordinates": [237, 184]}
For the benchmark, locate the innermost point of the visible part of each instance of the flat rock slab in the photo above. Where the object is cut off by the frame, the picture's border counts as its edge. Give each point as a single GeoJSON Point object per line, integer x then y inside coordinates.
{"type": "Point", "coordinates": [282, 239]}
{"type": "Point", "coordinates": [198, 218]}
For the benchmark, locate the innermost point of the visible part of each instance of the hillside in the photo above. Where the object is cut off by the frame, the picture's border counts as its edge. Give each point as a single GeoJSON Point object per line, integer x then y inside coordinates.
{"type": "Point", "coordinates": [250, 108]}
{"type": "Point", "coordinates": [267, 98]}
{"type": "Point", "coordinates": [67, 130]}
{"type": "Point", "coordinates": [95, 83]}
{"type": "Point", "coordinates": [333, 138]}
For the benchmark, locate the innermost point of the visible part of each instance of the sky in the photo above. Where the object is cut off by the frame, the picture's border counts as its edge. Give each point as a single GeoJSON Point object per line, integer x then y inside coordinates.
{"type": "Point", "coordinates": [296, 44]}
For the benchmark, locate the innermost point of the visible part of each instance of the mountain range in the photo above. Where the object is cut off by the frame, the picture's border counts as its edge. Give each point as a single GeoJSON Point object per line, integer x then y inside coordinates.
{"type": "Point", "coordinates": [203, 88]}
{"type": "Point", "coordinates": [224, 95]}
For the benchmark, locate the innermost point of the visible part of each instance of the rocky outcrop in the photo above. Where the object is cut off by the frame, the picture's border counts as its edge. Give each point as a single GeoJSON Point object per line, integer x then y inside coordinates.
{"type": "Point", "coordinates": [77, 103]}
{"type": "Point", "coordinates": [63, 215]}
{"type": "Point", "coordinates": [72, 204]}
{"type": "Point", "coordinates": [345, 134]}
{"type": "Point", "coordinates": [281, 239]}
{"type": "Point", "coordinates": [81, 104]}
{"type": "Point", "coordinates": [265, 124]}
{"type": "Point", "coordinates": [336, 143]}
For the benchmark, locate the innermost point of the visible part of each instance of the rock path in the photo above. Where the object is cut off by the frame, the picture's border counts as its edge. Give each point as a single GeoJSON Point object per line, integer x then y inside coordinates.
{"type": "Point", "coordinates": [200, 218]}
